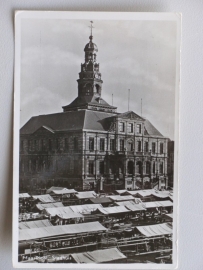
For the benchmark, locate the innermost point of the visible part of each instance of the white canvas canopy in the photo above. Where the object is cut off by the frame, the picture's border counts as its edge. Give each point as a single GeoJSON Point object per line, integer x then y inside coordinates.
{"type": "Point", "coordinates": [113, 210]}
{"type": "Point", "coordinates": [49, 205]}
{"type": "Point", "coordinates": [158, 204]}
{"type": "Point", "coordinates": [34, 224]}
{"type": "Point", "coordinates": [132, 206]}
{"type": "Point", "coordinates": [46, 198]}
{"type": "Point", "coordinates": [118, 198]}
{"type": "Point", "coordinates": [155, 230]}
{"type": "Point", "coordinates": [86, 195]}
{"type": "Point", "coordinates": [39, 233]}
{"type": "Point", "coordinates": [24, 195]}
{"type": "Point", "coordinates": [99, 256]}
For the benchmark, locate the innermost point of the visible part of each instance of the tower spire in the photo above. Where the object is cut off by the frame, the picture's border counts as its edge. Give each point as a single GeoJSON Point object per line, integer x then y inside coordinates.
{"type": "Point", "coordinates": [91, 26]}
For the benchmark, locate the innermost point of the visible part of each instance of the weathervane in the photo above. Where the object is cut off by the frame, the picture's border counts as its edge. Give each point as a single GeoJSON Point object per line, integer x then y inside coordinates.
{"type": "Point", "coordinates": [91, 26]}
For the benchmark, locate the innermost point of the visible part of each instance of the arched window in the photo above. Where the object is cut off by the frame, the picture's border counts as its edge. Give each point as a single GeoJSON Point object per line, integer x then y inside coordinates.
{"type": "Point", "coordinates": [148, 167]}
{"type": "Point", "coordinates": [161, 167]}
{"type": "Point", "coordinates": [130, 167]}
{"type": "Point", "coordinates": [139, 167]}
{"type": "Point", "coordinates": [154, 168]}
{"type": "Point", "coordinates": [88, 89]}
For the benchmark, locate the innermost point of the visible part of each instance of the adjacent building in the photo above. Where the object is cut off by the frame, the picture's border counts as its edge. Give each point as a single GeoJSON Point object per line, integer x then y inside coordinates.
{"type": "Point", "coordinates": [90, 145]}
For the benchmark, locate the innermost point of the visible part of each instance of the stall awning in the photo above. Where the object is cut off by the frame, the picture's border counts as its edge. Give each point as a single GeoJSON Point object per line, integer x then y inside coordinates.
{"type": "Point", "coordinates": [63, 191]}
{"type": "Point", "coordinates": [118, 198]}
{"type": "Point", "coordinates": [46, 198]}
{"type": "Point", "coordinates": [86, 195]}
{"type": "Point", "coordinates": [70, 215]}
{"type": "Point", "coordinates": [54, 188]}
{"type": "Point", "coordinates": [158, 204]}
{"type": "Point", "coordinates": [57, 211]}
{"type": "Point", "coordinates": [132, 206]}
{"type": "Point", "coordinates": [113, 210]}
{"type": "Point", "coordinates": [99, 256]}
{"type": "Point", "coordinates": [34, 224]}
{"type": "Point", "coordinates": [39, 233]}
{"type": "Point", "coordinates": [24, 195]}
{"type": "Point", "coordinates": [85, 208]}
{"type": "Point", "coordinates": [49, 205]}
{"type": "Point", "coordinates": [100, 200]}
{"type": "Point", "coordinates": [122, 191]}
{"type": "Point", "coordinates": [155, 230]}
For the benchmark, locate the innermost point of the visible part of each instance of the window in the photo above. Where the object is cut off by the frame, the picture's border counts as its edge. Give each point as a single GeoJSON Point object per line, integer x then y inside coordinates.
{"type": "Point", "coordinates": [75, 144]}
{"type": "Point", "coordinates": [30, 166]}
{"type": "Point", "coordinates": [138, 128]}
{"type": "Point", "coordinates": [131, 127]}
{"type": "Point", "coordinates": [35, 145]}
{"type": "Point", "coordinates": [50, 144]}
{"type": "Point", "coordinates": [147, 167]}
{"type": "Point", "coordinates": [122, 145]}
{"type": "Point", "coordinates": [139, 146]}
{"type": "Point", "coordinates": [57, 144]}
{"type": "Point", "coordinates": [112, 144]}
{"type": "Point", "coordinates": [153, 148]}
{"type": "Point", "coordinates": [139, 167]}
{"type": "Point", "coordinates": [146, 147]}
{"type": "Point", "coordinates": [43, 145]}
{"type": "Point", "coordinates": [129, 182]}
{"type": "Point", "coordinates": [153, 168]}
{"type": "Point", "coordinates": [30, 145]}
{"type": "Point", "coordinates": [161, 148]}
{"type": "Point", "coordinates": [161, 167]}
{"type": "Point", "coordinates": [101, 167]}
{"type": "Point", "coordinates": [75, 166]}
{"type": "Point", "coordinates": [66, 144]}
{"type": "Point", "coordinates": [121, 127]}
{"type": "Point", "coordinates": [102, 144]}
{"type": "Point", "coordinates": [91, 144]}
{"type": "Point", "coordinates": [91, 167]}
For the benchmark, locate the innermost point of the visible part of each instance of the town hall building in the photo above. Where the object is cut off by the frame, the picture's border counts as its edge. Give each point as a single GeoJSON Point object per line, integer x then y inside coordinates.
{"type": "Point", "coordinates": [90, 145]}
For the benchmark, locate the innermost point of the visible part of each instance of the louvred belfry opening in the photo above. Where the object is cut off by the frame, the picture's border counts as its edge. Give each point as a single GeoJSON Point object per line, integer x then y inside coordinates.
{"type": "Point", "coordinates": [90, 83]}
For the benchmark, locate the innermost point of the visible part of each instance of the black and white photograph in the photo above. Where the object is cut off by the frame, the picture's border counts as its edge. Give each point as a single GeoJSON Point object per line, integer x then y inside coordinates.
{"type": "Point", "coordinates": [96, 130]}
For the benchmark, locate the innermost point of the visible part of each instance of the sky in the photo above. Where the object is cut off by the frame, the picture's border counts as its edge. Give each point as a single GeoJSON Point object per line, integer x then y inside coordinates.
{"type": "Point", "coordinates": [135, 55]}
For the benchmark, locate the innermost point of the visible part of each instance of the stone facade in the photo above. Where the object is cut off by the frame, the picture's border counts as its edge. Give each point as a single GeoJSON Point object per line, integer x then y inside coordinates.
{"type": "Point", "coordinates": [90, 145]}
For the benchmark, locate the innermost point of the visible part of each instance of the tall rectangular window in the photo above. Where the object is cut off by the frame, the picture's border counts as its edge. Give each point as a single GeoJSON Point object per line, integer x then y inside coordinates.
{"type": "Point", "coordinates": [91, 144]}
{"type": "Point", "coordinates": [66, 144]}
{"type": "Point", "coordinates": [121, 127]}
{"type": "Point", "coordinates": [75, 144]}
{"type": "Point", "coordinates": [75, 168]}
{"type": "Point", "coordinates": [139, 146]}
{"type": "Point", "coordinates": [91, 167]}
{"type": "Point", "coordinates": [112, 144]}
{"type": "Point", "coordinates": [153, 148]}
{"type": "Point", "coordinates": [121, 145]}
{"type": "Point", "coordinates": [50, 144]}
{"type": "Point", "coordinates": [43, 145]}
{"type": "Point", "coordinates": [138, 128]}
{"type": "Point", "coordinates": [101, 167]}
{"type": "Point", "coordinates": [161, 168]}
{"type": "Point", "coordinates": [130, 127]}
{"type": "Point", "coordinates": [161, 148]}
{"type": "Point", "coordinates": [30, 145]}
{"type": "Point", "coordinates": [146, 147]}
{"type": "Point", "coordinates": [102, 144]}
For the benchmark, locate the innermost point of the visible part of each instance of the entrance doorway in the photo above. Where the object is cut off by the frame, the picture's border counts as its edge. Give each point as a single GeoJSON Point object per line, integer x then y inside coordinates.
{"type": "Point", "coordinates": [130, 167]}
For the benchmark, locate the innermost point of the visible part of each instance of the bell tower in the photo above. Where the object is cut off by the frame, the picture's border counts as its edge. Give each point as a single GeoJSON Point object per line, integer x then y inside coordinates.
{"type": "Point", "coordinates": [89, 82]}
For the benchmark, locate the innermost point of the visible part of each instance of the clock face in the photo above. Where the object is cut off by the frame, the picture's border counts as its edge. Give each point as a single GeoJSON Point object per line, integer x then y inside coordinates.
{"type": "Point", "coordinates": [97, 76]}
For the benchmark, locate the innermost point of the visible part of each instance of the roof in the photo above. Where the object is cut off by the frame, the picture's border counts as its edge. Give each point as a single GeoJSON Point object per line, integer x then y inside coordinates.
{"type": "Point", "coordinates": [122, 191]}
{"type": "Point", "coordinates": [142, 193]}
{"type": "Point", "coordinates": [99, 200]}
{"type": "Point", "coordinates": [64, 191]}
{"type": "Point", "coordinates": [38, 233]}
{"type": "Point", "coordinates": [86, 194]}
{"type": "Point", "coordinates": [121, 198]}
{"type": "Point", "coordinates": [85, 208]}
{"type": "Point", "coordinates": [58, 210]}
{"type": "Point", "coordinates": [158, 204]}
{"type": "Point", "coordinates": [98, 256]}
{"type": "Point", "coordinates": [34, 224]}
{"type": "Point", "coordinates": [154, 230]}
{"type": "Point", "coordinates": [53, 188]}
{"type": "Point", "coordinates": [24, 195]}
{"type": "Point", "coordinates": [131, 115]}
{"type": "Point", "coordinates": [49, 205]}
{"type": "Point", "coordinates": [132, 205]}
{"type": "Point", "coordinates": [70, 215]}
{"type": "Point", "coordinates": [71, 120]}
{"type": "Point", "coordinates": [150, 129]}
{"type": "Point", "coordinates": [113, 210]}
{"type": "Point", "coordinates": [45, 198]}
